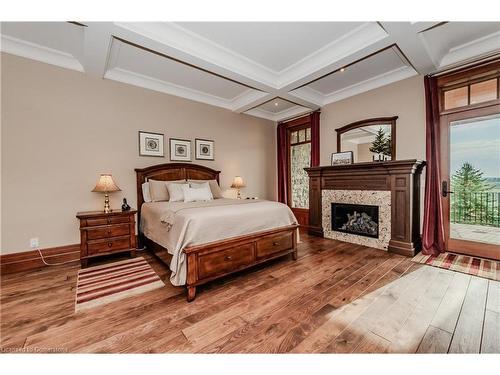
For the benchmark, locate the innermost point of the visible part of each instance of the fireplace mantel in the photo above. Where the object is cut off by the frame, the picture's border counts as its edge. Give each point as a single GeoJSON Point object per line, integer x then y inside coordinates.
{"type": "Point", "coordinates": [400, 177]}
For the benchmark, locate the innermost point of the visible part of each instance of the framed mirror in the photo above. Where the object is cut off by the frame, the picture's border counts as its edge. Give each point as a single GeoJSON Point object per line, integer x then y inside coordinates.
{"type": "Point", "coordinates": [369, 140]}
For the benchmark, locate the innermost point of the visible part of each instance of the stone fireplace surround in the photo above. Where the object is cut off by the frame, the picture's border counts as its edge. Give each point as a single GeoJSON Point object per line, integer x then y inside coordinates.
{"type": "Point", "coordinates": [391, 185]}
{"type": "Point", "coordinates": [382, 199]}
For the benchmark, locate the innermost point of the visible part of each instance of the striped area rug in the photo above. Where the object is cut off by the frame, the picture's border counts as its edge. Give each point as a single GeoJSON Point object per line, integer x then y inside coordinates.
{"type": "Point", "coordinates": [111, 282]}
{"type": "Point", "coordinates": [489, 269]}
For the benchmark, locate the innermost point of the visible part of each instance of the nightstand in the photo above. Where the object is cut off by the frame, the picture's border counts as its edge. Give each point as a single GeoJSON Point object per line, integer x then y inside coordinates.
{"type": "Point", "coordinates": [106, 233]}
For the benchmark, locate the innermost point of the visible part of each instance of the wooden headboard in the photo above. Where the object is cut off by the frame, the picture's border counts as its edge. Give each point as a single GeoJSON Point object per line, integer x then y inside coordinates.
{"type": "Point", "coordinates": [171, 172]}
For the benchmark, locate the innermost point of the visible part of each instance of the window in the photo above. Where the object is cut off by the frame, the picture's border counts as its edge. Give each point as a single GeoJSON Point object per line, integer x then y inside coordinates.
{"type": "Point", "coordinates": [300, 158]}
{"type": "Point", "coordinates": [456, 98]}
{"type": "Point", "coordinates": [483, 91]}
{"type": "Point", "coordinates": [470, 94]}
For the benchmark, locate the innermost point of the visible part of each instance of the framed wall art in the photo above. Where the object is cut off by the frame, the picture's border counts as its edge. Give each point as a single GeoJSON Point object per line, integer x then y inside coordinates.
{"type": "Point", "coordinates": [180, 149]}
{"type": "Point", "coordinates": [342, 158]}
{"type": "Point", "coordinates": [150, 144]}
{"type": "Point", "coordinates": [204, 149]}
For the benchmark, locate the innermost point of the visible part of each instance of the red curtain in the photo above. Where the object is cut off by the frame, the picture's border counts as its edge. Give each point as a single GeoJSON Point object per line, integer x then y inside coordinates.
{"type": "Point", "coordinates": [281, 145]}
{"type": "Point", "coordinates": [433, 229]}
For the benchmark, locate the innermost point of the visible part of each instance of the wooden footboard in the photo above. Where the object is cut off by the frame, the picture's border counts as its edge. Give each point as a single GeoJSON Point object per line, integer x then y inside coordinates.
{"type": "Point", "coordinates": [217, 259]}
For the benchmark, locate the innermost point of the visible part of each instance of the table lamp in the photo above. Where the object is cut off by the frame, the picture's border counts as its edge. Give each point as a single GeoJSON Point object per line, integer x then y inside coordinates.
{"type": "Point", "coordinates": [238, 184]}
{"type": "Point", "coordinates": [106, 185]}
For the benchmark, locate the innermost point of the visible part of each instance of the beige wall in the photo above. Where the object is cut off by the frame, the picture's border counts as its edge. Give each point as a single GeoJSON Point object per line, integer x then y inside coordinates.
{"type": "Point", "coordinates": [61, 128]}
{"type": "Point", "coordinates": [404, 99]}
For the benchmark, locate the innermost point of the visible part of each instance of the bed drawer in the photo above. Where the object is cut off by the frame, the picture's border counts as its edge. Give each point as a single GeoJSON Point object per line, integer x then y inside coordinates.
{"type": "Point", "coordinates": [225, 261]}
{"type": "Point", "coordinates": [274, 243]}
{"type": "Point", "coordinates": [107, 220]}
{"type": "Point", "coordinates": [108, 245]}
{"type": "Point", "coordinates": [108, 231]}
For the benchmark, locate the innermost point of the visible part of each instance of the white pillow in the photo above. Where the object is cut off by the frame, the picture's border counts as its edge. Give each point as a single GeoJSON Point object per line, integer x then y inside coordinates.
{"type": "Point", "coordinates": [214, 187]}
{"type": "Point", "coordinates": [197, 194]}
{"type": "Point", "coordinates": [146, 196]}
{"type": "Point", "coordinates": [203, 185]}
{"type": "Point", "coordinates": [175, 192]}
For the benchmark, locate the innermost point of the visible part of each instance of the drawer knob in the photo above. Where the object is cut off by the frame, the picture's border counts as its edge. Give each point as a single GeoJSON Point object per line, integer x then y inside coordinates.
{"type": "Point", "coordinates": [109, 232]}
{"type": "Point", "coordinates": [228, 257]}
{"type": "Point", "coordinates": [110, 244]}
{"type": "Point", "coordinates": [276, 243]}
{"type": "Point", "coordinates": [109, 220]}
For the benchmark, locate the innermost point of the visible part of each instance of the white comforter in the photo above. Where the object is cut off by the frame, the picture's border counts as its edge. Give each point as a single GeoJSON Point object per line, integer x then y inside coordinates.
{"type": "Point", "coordinates": [177, 225]}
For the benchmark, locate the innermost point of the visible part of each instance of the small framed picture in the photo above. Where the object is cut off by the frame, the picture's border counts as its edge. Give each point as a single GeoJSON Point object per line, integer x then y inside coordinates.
{"type": "Point", "coordinates": [150, 144]}
{"type": "Point", "coordinates": [341, 158]}
{"type": "Point", "coordinates": [204, 149]}
{"type": "Point", "coordinates": [180, 149]}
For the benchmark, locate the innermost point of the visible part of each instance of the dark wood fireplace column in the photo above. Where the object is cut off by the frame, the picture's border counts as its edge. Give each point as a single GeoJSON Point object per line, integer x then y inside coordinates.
{"type": "Point", "coordinates": [400, 177]}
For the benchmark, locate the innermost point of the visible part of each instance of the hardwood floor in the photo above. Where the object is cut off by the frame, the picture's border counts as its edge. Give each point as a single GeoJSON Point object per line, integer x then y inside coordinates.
{"type": "Point", "coordinates": [336, 298]}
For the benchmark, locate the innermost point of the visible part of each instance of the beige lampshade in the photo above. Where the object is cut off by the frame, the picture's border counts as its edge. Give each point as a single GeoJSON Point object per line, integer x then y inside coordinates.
{"type": "Point", "coordinates": [238, 182]}
{"type": "Point", "coordinates": [106, 184]}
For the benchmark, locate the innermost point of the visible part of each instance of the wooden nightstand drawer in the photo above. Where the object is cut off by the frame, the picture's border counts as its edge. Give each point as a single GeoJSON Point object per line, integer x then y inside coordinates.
{"type": "Point", "coordinates": [108, 231]}
{"type": "Point", "coordinates": [108, 245]}
{"type": "Point", "coordinates": [107, 220]}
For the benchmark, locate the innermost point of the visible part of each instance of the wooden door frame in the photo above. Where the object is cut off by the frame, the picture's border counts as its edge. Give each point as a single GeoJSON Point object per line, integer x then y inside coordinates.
{"type": "Point", "coordinates": [454, 245]}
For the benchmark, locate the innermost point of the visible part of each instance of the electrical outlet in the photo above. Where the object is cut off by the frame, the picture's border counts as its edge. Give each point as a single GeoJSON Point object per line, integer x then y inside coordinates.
{"type": "Point", "coordinates": [34, 242]}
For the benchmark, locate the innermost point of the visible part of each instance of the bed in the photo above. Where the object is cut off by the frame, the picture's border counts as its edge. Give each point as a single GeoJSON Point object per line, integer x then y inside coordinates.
{"type": "Point", "coordinates": [204, 241]}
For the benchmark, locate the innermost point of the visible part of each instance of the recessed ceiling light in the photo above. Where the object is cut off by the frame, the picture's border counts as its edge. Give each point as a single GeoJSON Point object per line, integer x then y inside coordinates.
{"type": "Point", "coordinates": [342, 69]}
{"type": "Point", "coordinates": [276, 104]}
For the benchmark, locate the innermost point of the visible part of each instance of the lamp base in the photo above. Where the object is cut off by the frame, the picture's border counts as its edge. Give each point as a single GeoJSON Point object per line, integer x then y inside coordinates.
{"type": "Point", "coordinates": [107, 209]}
{"type": "Point", "coordinates": [239, 194]}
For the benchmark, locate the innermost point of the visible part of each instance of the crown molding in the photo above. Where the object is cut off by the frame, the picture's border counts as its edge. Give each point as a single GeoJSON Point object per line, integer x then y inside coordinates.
{"type": "Point", "coordinates": [370, 84]}
{"type": "Point", "coordinates": [310, 94]}
{"type": "Point", "coordinates": [475, 48]}
{"type": "Point", "coordinates": [356, 40]}
{"type": "Point", "coordinates": [281, 115]}
{"type": "Point", "coordinates": [136, 79]}
{"type": "Point", "coordinates": [194, 45]}
{"type": "Point", "coordinates": [37, 52]}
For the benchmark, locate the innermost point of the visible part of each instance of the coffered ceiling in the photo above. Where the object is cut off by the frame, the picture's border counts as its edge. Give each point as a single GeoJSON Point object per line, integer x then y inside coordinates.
{"type": "Point", "coordinates": [274, 70]}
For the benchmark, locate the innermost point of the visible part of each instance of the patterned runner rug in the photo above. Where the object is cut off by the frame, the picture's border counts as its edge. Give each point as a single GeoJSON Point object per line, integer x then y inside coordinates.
{"type": "Point", "coordinates": [489, 269]}
{"type": "Point", "coordinates": [111, 282]}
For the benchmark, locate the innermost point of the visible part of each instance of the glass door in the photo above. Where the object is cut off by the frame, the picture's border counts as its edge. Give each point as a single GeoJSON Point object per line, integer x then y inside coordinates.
{"type": "Point", "coordinates": [299, 153]}
{"type": "Point", "coordinates": [471, 181]}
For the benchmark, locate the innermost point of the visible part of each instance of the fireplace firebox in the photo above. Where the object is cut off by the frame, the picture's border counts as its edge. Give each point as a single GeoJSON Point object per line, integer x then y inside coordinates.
{"type": "Point", "coordinates": [356, 219]}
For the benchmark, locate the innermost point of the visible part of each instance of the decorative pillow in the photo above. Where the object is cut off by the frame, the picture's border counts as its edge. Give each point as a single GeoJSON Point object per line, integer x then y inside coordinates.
{"type": "Point", "coordinates": [214, 187]}
{"type": "Point", "coordinates": [158, 189]}
{"type": "Point", "coordinates": [175, 191]}
{"type": "Point", "coordinates": [196, 194]}
{"type": "Point", "coordinates": [146, 196]}
{"type": "Point", "coordinates": [203, 185]}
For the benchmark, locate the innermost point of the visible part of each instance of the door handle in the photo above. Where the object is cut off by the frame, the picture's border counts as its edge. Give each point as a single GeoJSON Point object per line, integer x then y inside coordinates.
{"type": "Point", "coordinates": [444, 189]}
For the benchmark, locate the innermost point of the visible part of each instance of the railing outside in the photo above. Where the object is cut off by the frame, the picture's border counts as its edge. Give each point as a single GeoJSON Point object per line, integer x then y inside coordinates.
{"type": "Point", "coordinates": [481, 208]}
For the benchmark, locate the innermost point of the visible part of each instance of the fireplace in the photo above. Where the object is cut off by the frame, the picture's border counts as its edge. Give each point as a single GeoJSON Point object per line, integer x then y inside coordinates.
{"type": "Point", "coordinates": [359, 219]}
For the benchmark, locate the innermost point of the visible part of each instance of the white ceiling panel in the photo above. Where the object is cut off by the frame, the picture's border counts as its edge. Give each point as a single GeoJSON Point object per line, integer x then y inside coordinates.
{"type": "Point", "coordinates": [275, 45]}
{"type": "Point", "coordinates": [58, 43]}
{"type": "Point", "coordinates": [277, 105]}
{"type": "Point", "coordinates": [128, 58]}
{"type": "Point", "coordinates": [443, 39]}
{"type": "Point", "coordinates": [61, 36]}
{"type": "Point", "coordinates": [376, 65]}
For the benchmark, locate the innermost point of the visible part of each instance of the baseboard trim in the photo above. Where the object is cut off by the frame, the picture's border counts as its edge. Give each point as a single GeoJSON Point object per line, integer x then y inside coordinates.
{"type": "Point", "coordinates": [29, 260]}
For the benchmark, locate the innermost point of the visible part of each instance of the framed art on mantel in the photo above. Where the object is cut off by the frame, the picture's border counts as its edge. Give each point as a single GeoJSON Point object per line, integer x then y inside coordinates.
{"type": "Point", "coordinates": [204, 149]}
{"type": "Point", "coordinates": [180, 149]}
{"type": "Point", "coordinates": [150, 144]}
